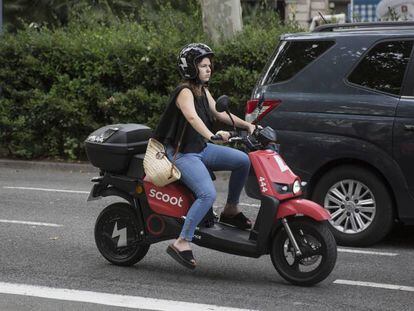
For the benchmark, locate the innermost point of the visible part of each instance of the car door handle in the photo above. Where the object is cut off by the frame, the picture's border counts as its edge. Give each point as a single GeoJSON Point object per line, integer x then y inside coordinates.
{"type": "Point", "coordinates": [409, 127]}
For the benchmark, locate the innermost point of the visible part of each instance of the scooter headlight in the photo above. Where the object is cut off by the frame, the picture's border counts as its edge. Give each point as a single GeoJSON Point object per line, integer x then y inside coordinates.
{"type": "Point", "coordinates": [296, 187]}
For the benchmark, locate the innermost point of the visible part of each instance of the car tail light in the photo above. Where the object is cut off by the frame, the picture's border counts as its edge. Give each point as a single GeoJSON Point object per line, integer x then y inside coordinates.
{"type": "Point", "coordinates": [253, 113]}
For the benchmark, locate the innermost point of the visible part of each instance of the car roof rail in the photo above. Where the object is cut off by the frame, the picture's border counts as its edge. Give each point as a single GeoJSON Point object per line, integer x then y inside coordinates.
{"type": "Point", "coordinates": [350, 26]}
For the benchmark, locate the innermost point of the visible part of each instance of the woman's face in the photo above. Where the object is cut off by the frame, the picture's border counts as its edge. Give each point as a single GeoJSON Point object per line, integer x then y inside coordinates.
{"type": "Point", "coordinates": [204, 69]}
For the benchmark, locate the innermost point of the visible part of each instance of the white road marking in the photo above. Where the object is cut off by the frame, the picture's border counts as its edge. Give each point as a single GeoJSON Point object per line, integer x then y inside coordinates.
{"type": "Point", "coordinates": [49, 190]}
{"type": "Point", "coordinates": [135, 302]}
{"type": "Point", "coordinates": [248, 204]}
{"type": "Point", "coordinates": [31, 223]}
{"type": "Point", "coordinates": [241, 204]}
{"type": "Point", "coordinates": [376, 285]}
{"type": "Point", "coordinates": [357, 251]}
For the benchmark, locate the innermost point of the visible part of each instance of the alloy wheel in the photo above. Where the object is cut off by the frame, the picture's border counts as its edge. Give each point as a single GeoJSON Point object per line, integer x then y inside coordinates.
{"type": "Point", "coordinates": [351, 205]}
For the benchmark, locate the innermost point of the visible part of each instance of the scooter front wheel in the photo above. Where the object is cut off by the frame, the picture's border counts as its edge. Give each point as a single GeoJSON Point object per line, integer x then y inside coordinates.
{"type": "Point", "coordinates": [117, 235]}
{"type": "Point", "coordinates": [318, 248]}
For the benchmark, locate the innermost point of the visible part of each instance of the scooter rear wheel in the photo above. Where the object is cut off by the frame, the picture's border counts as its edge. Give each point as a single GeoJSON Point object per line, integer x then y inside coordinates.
{"type": "Point", "coordinates": [318, 248]}
{"type": "Point", "coordinates": [117, 235]}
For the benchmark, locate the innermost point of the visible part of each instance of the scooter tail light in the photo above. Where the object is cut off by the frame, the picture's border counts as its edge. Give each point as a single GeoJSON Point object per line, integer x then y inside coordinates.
{"type": "Point", "coordinates": [253, 113]}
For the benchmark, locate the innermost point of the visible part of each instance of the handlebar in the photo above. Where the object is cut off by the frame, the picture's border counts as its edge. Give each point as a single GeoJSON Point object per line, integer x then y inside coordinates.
{"type": "Point", "coordinates": [235, 139]}
{"type": "Point", "coordinates": [218, 137]}
{"type": "Point", "coordinates": [261, 138]}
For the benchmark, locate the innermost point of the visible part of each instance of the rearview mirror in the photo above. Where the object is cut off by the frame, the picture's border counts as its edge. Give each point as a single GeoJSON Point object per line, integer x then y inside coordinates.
{"type": "Point", "coordinates": [222, 103]}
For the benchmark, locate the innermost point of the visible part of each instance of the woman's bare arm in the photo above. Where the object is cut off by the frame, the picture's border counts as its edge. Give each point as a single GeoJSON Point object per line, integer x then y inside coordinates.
{"type": "Point", "coordinates": [185, 102]}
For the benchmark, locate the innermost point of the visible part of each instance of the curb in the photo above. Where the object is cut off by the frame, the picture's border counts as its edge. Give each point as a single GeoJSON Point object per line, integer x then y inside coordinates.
{"type": "Point", "coordinates": [42, 165]}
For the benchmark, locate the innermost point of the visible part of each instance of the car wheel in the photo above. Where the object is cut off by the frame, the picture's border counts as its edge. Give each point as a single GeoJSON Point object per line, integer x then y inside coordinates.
{"type": "Point", "coordinates": [358, 202]}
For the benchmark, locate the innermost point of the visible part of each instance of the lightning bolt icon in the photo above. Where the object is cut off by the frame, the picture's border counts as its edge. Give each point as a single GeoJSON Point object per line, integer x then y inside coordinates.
{"type": "Point", "coordinates": [122, 241]}
{"type": "Point", "coordinates": [183, 64]}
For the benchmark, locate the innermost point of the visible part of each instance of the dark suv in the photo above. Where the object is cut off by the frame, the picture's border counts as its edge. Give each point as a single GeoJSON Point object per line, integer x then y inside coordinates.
{"type": "Point", "coordinates": [342, 101]}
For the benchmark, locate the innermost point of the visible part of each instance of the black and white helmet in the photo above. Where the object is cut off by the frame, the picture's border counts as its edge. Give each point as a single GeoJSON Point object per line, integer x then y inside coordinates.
{"type": "Point", "coordinates": [187, 59]}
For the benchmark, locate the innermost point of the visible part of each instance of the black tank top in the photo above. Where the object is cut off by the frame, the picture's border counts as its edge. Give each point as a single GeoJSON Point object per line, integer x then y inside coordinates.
{"type": "Point", "coordinates": [173, 122]}
{"type": "Point", "coordinates": [192, 140]}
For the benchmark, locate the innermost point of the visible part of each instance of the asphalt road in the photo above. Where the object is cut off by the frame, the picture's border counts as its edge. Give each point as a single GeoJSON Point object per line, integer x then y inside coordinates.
{"type": "Point", "coordinates": [47, 240]}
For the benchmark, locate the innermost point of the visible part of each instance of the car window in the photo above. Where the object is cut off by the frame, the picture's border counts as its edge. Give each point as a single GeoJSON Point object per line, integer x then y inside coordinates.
{"type": "Point", "coordinates": [292, 56]}
{"type": "Point", "coordinates": [383, 67]}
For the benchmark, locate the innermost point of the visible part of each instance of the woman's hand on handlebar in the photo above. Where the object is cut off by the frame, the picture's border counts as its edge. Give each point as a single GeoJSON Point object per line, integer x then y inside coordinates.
{"type": "Point", "coordinates": [225, 136]}
{"type": "Point", "coordinates": [251, 128]}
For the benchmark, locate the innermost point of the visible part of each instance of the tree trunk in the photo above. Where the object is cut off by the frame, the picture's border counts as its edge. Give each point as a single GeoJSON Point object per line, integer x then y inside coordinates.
{"type": "Point", "coordinates": [221, 19]}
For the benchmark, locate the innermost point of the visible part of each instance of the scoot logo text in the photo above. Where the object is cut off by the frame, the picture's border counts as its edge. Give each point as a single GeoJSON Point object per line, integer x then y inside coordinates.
{"type": "Point", "coordinates": [165, 197]}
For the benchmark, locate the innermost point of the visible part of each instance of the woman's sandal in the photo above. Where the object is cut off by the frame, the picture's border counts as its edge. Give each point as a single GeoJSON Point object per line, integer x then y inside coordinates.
{"type": "Point", "coordinates": [239, 221]}
{"type": "Point", "coordinates": [185, 258]}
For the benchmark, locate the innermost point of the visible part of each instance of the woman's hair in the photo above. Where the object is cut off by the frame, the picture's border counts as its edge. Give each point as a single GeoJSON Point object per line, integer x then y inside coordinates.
{"type": "Point", "coordinates": [194, 86]}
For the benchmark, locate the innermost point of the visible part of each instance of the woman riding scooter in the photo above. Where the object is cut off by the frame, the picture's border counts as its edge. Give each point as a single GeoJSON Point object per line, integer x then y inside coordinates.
{"type": "Point", "coordinates": [186, 125]}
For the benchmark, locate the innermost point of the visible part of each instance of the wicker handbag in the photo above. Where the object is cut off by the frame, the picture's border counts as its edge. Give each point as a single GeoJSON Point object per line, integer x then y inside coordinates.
{"type": "Point", "coordinates": [157, 166]}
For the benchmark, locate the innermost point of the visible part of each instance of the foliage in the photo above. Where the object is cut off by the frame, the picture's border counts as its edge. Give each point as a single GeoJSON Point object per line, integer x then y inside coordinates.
{"type": "Point", "coordinates": [60, 84]}
{"type": "Point", "coordinates": [54, 13]}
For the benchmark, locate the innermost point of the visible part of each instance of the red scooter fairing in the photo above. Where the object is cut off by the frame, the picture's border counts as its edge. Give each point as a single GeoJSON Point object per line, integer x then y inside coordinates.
{"type": "Point", "coordinates": [172, 200]}
{"type": "Point", "coordinates": [302, 207]}
{"type": "Point", "coordinates": [271, 169]}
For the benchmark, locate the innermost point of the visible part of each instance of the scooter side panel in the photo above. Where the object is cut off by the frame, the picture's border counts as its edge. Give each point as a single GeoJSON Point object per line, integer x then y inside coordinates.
{"type": "Point", "coordinates": [172, 200]}
{"type": "Point", "coordinates": [302, 207]}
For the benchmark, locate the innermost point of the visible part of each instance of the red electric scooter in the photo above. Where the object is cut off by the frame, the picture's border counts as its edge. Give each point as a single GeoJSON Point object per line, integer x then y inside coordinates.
{"type": "Point", "coordinates": [292, 230]}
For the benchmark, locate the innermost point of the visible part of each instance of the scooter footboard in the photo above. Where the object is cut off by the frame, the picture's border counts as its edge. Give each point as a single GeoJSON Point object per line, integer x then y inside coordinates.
{"type": "Point", "coordinates": [302, 207]}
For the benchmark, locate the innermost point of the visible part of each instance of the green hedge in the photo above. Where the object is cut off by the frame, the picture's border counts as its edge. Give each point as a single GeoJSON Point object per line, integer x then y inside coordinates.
{"type": "Point", "coordinates": [58, 85]}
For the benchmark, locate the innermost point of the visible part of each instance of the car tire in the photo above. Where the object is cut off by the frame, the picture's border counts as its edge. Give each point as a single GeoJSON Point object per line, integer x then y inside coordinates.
{"type": "Point", "coordinates": [359, 203]}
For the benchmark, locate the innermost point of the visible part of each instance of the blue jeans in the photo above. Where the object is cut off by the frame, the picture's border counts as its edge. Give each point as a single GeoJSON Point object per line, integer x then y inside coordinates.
{"type": "Point", "coordinates": [195, 175]}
